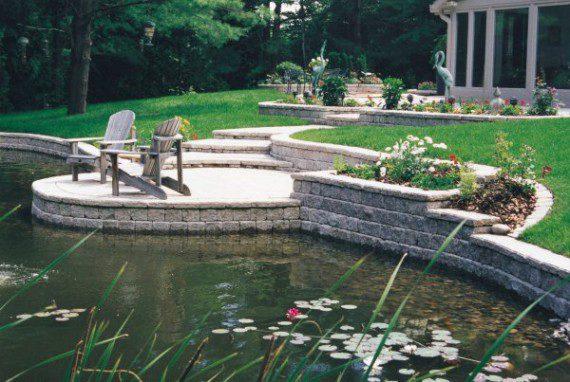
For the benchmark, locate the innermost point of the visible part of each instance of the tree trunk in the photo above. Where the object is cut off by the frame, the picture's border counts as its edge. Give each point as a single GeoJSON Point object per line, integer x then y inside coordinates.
{"type": "Point", "coordinates": [358, 26]}
{"type": "Point", "coordinates": [81, 26]}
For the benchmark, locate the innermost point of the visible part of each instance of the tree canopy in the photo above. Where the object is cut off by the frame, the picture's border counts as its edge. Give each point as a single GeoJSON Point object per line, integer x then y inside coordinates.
{"type": "Point", "coordinates": [205, 45]}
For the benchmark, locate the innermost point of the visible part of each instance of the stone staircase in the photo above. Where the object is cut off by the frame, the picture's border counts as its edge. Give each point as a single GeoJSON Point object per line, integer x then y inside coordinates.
{"type": "Point", "coordinates": [237, 148]}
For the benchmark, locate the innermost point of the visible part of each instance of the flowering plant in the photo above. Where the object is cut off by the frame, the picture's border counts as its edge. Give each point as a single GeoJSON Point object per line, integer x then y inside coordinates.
{"type": "Point", "coordinates": [407, 162]}
{"type": "Point", "coordinates": [544, 100]}
{"type": "Point", "coordinates": [318, 62]}
{"type": "Point", "coordinates": [292, 314]}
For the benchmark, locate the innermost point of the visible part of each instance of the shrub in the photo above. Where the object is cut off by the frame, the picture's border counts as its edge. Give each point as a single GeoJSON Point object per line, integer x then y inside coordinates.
{"type": "Point", "coordinates": [544, 100]}
{"type": "Point", "coordinates": [517, 165]}
{"type": "Point", "coordinates": [427, 85]}
{"type": "Point", "coordinates": [333, 91]}
{"type": "Point", "coordinates": [351, 103]}
{"type": "Point", "coordinates": [393, 90]}
{"type": "Point", "coordinates": [467, 183]}
{"type": "Point", "coordinates": [291, 69]}
{"type": "Point", "coordinates": [511, 110]}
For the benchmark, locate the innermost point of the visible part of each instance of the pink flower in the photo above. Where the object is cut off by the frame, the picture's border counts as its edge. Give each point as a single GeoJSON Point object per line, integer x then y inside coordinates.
{"type": "Point", "coordinates": [292, 314]}
{"type": "Point", "coordinates": [523, 102]}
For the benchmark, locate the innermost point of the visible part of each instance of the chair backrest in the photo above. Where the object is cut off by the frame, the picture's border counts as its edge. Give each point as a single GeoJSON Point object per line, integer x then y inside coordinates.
{"type": "Point", "coordinates": [119, 127]}
{"type": "Point", "coordinates": [169, 128]}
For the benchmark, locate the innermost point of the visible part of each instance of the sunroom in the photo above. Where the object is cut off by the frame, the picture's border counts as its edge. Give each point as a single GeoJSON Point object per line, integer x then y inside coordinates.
{"type": "Point", "coordinates": [507, 44]}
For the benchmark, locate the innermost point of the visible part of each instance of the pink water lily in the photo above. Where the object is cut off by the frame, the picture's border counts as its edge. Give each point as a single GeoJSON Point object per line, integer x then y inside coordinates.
{"type": "Point", "coordinates": [292, 314]}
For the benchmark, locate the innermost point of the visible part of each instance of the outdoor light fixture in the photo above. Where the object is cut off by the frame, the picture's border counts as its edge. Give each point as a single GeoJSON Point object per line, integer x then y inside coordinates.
{"type": "Point", "coordinates": [23, 44]}
{"type": "Point", "coordinates": [149, 29]}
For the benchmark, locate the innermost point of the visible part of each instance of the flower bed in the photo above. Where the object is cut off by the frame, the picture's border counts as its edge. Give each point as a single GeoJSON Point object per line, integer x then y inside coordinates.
{"type": "Point", "coordinates": [509, 195]}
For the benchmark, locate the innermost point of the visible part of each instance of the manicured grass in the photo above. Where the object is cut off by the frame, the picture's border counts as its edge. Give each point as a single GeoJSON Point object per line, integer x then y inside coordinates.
{"type": "Point", "coordinates": [206, 112]}
{"type": "Point", "coordinates": [475, 142]}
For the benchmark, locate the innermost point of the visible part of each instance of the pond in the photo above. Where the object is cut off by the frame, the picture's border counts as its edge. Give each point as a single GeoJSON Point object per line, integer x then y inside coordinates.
{"type": "Point", "coordinates": [177, 281]}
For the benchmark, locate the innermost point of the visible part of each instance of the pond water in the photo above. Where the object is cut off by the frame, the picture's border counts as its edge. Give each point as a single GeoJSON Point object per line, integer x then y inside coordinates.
{"type": "Point", "coordinates": [177, 281]}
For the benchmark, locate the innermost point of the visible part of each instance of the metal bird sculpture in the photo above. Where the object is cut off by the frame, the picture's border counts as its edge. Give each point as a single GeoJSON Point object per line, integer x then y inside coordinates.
{"type": "Point", "coordinates": [444, 73]}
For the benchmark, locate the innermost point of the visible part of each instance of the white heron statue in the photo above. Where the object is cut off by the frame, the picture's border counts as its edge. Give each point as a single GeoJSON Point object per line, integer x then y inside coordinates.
{"type": "Point", "coordinates": [444, 73]}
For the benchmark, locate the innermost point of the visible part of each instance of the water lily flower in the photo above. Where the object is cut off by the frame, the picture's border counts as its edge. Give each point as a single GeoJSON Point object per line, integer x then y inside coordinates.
{"type": "Point", "coordinates": [292, 314]}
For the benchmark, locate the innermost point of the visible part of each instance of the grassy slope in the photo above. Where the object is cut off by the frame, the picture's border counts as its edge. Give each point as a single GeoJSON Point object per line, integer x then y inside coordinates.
{"type": "Point", "coordinates": [475, 142]}
{"type": "Point", "coordinates": [206, 112]}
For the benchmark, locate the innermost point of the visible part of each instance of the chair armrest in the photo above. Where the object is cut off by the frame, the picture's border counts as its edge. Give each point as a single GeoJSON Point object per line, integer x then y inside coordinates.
{"type": "Point", "coordinates": [78, 140]}
{"type": "Point", "coordinates": [166, 139]}
{"type": "Point", "coordinates": [118, 152]}
{"type": "Point", "coordinates": [109, 143]}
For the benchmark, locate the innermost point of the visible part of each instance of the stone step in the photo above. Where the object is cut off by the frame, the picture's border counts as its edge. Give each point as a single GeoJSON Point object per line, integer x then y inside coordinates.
{"type": "Point", "coordinates": [233, 160]}
{"type": "Point", "coordinates": [343, 119]}
{"type": "Point", "coordinates": [261, 133]}
{"type": "Point", "coordinates": [245, 146]}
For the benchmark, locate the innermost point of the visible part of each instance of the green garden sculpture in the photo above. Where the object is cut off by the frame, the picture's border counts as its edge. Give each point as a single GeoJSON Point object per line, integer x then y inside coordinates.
{"type": "Point", "coordinates": [443, 73]}
{"type": "Point", "coordinates": [318, 66]}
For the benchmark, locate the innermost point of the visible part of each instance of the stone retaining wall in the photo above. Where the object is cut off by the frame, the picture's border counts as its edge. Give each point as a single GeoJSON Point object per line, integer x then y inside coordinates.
{"type": "Point", "coordinates": [413, 221]}
{"type": "Point", "coordinates": [181, 219]}
{"type": "Point", "coordinates": [311, 156]}
{"type": "Point", "coordinates": [44, 144]}
{"type": "Point", "coordinates": [352, 88]}
{"type": "Point", "coordinates": [375, 116]}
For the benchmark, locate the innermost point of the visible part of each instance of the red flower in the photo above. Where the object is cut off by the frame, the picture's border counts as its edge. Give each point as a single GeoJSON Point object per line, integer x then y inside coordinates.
{"type": "Point", "coordinates": [292, 314]}
{"type": "Point", "coordinates": [507, 102]}
{"type": "Point", "coordinates": [546, 170]}
{"type": "Point", "coordinates": [523, 102]}
{"type": "Point", "coordinates": [453, 158]}
{"type": "Point", "coordinates": [195, 136]}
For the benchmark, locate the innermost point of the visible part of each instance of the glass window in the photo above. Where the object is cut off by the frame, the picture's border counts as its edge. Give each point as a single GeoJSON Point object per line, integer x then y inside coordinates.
{"type": "Point", "coordinates": [511, 34]}
{"type": "Point", "coordinates": [461, 50]}
{"type": "Point", "coordinates": [479, 48]}
{"type": "Point", "coordinates": [553, 61]}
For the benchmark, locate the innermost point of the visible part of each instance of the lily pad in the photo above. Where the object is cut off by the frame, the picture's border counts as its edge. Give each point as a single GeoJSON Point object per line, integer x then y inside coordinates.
{"type": "Point", "coordinates": [220, 331]}
{"type": "Point", "coordinates": [245, 321]}
{"type": "Point", "coordinates": [349, 307]}
{"type": "Point", "coordinates": [327, 348]}
{"type": "Point", "coordinates": [340, 355]}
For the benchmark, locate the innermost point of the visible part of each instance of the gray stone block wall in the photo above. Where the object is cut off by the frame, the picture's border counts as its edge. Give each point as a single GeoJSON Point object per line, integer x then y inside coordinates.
{"type": "Point", "coordinates": [419, 228]}
{"type": "Point", "coordinates": [52, 146]}
{"type": "Point", "coordinates": [180, 220]}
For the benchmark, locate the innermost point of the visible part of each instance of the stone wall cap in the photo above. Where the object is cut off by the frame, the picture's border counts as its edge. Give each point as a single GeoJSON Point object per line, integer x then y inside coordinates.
{"type": "Point", "coordinates": [356, 152]}
{"type": "Point", "coordinates": [473, 219]}
{"type": "Point", "coordinates": [529, 253]}
{"type": "Point", "coordinates": [330, 177]}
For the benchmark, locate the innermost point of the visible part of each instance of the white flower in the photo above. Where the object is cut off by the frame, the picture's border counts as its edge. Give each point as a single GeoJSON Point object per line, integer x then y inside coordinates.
{"type": "Point", "coordinates": [395, 147]}
{"type": "Point", "coordinates": [388, 149]}
{"type": "Point", "coordinates": [418, 151]}
{"type": "Point", "coordinates": [383, 172]}
{"type": "Point", "coordinates": [442, 146]}
{"type": "Point", "coordinates": [421, 142]}
{"type": "Point", "coordinates": [431, 169]}
{"type": "Point", "coordinates": [429, 140]}
{"type": "Point", "coordinates": [412, 138]}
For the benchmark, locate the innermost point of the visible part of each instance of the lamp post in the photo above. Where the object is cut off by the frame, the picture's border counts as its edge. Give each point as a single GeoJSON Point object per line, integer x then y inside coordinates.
{"type": "Point", "coordinates": [149, 29]}
{"type": "Point", "coordinates": [23, 43]}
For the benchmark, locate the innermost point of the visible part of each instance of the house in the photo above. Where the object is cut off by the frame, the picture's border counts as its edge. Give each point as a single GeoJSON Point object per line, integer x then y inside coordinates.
{"type": "Point", "coordinates": [507, 44]}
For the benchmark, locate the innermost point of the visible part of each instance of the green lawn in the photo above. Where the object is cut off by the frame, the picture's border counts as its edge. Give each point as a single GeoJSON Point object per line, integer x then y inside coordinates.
{"type": "Point", "coordinates": [206, 112]}
{"type": "Point", "coordinates": [475, 142]}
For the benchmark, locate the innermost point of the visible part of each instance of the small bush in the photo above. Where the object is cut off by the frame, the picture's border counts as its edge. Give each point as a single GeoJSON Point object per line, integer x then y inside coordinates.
{"type": "Point", "coordinates": [427, 85]}
{"type": "Point", "coordinates": [333, 91]}
{"type": "Point", "coordinates": [288, 67]}
{"type": "Point", "coordinates": [351, 103]}
{"type": "Point", "coordinates": [393, 90]}
{"type": "Point", "coordinates": [511, 110]}
{"type": "Point", "coordinates": [467, 183]}
{"type": "Point", "coordinates": [544, 100]}
{"type": "Point", "coordinates": [517, 165]}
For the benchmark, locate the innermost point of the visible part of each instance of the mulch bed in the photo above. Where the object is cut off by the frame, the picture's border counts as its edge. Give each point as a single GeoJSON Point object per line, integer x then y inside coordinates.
{"type": "Point", "coordinates": [503, 198]}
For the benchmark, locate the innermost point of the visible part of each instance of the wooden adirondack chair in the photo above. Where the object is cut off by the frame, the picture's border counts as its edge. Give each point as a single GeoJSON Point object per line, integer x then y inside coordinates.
{"type": "Point", "coordinates": [166, 142]}
{"type": "Point", "coordinates": [119, 127]}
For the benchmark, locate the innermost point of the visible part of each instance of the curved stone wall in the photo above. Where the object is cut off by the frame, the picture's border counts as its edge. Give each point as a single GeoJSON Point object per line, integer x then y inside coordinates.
{"type": "Point", "coordinates": [376, 116]}
{"type": "Point", "coordinates": [413, 221]}
{"type": "Point", "coordinates": [172, 216]}
{"type": "Point", "coordinates": [44, 144]}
